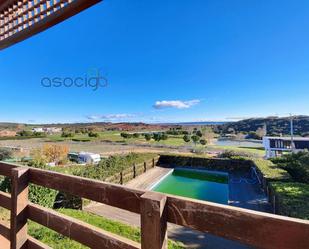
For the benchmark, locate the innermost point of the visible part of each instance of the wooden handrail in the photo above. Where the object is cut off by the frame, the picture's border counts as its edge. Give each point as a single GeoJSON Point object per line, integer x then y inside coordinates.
{"type": "Point", "coordinates": [258, 229]}
{"type": "Point", "coordinates": [107, 193]}
{"type": "Point", "coordinates": [77, 230]}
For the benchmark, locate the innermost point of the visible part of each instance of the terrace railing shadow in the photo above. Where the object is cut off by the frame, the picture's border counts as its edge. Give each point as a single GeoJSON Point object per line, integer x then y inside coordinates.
{"type": "Point", "coordinates": [258, 229]}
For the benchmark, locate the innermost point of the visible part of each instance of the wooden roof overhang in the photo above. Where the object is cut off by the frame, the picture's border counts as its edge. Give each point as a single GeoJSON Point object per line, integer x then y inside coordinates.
{"type": "Point", "coordinates": [21, 19]}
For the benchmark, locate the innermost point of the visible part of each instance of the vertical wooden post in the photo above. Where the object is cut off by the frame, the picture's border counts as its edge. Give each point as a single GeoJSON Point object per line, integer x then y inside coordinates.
{"type": "Point", "coordinates": [145, 167]}
{"type": "Point", "coordinates": [134, 170]}
{"type": "Point", "coordinates": [19, 203]}
{"type": "Point", "coordinates": [153, 221]}
{"type": "Point", "coordinates": [153, 162]}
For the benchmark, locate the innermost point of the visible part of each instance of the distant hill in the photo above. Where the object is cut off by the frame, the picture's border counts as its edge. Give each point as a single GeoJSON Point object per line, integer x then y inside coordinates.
{"type": "Point", "coordinates": [123, 126]}
{"type": "Point", "coordinates": [11, 126]}
{"type": "Point", "coordinates": [275, 125]}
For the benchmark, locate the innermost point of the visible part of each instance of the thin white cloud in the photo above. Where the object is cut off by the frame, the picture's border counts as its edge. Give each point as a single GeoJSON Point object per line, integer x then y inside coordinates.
{"type": "Point", "coordinates": [178, 104]}
{"type": "Point", "coordinates": [111, 117]}
{"type": "Point", "coordinates": [93, 117]}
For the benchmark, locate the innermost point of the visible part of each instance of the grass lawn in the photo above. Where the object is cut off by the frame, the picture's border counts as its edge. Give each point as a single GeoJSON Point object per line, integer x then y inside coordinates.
{"type": "Point", "coordinates": [58, 241]}
{"type": "Point", "coordinates": [255, 151]}
{"type": "Point", "coordinates": [272, 171]}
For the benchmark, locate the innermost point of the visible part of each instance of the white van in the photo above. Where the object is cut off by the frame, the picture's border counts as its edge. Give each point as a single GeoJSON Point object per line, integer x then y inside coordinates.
{"type": "Point", "coordinates": [88, 158]}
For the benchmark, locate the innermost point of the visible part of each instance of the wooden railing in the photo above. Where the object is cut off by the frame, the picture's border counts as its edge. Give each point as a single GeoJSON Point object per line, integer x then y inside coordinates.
{"type": "Point", "coordinates": [132, 172]}
{"type": "Point", "coordinates": [20, 19]}
{"type": "Point", "coordinates": [250, 227]}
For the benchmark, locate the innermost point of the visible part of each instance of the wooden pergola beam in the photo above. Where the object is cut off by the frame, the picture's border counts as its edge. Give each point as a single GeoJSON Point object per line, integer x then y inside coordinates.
{"type": "Point", "coordinates": [21, 19]}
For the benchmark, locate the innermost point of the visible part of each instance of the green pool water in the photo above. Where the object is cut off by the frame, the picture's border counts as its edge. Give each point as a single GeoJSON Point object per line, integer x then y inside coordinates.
{"type": "Point", "coordinates": [197, 184]}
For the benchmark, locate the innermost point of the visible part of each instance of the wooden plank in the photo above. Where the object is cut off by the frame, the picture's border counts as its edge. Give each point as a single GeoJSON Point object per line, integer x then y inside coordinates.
{"type": "Point", "coordinates": [153, 221]}
{"type": "Point", "coordinates": [46, 22]}
{"type": "Point", "coordinates": [4, 4]}
{"type": "Point", "coordinates": [32, 243]}
{"type": "Point", "coordinates": [4, 236]}
{"type": "Point", "coordinates": [259, 229]}
{"type": "Point", "coordinates": [5, 200]}
{"type": "Point", "coordinates": [79, 231]}
{"type": "Point", "coordinates": [5, 168]}
{"type": "Point", "coordinates": [19, 203]}
{"type": "Point", "coordinates": [29, 20]}
{"type": "Point", "coordinates": [107, 193]}
{"type": "Point", "coordinates": [5, 231]}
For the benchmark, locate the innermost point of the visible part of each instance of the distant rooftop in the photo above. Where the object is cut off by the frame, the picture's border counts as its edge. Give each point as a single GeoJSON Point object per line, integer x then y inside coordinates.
{"type": "Point", "coordinates": [289, 138]}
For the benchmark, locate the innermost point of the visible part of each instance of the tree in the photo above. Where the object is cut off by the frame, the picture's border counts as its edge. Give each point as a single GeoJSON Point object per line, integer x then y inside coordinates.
{"type": "Point", "coordinates": [164, 136]}
{"type": "Point", "coordinates": [208, 134]}
{"type": "Point", "coordinates": [136, 135]}
{"type": "Point", "coordinates": [186, 138]}
{"type": "Point", "coordinates": [157, 137]}
{"type": "Point", "coordinates": [261, 131]}
{"type": "Point", "coordinates": [203, 142]}
{"type": "Point", "coordinates": [126, 135]}
{"type": "Point", "coordinates": [148, 136]}
{"type": "Point", "coordinates": [5, 154]}
{"type": "Point", "coordinates": [253, 135]}
{"type": "Point", "coordinates": [195, 139]}
{"type": "Point", "coordinates": [199, 133]}
{"type": "Point", "coordinates": [55, 153]}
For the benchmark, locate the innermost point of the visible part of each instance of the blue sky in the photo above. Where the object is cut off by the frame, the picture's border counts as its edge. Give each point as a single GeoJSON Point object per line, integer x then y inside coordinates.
{"type": "Point", "coordinates": [164, 61]}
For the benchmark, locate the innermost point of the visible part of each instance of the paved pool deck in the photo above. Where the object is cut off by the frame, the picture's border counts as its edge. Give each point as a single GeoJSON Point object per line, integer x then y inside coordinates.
{"type": "Point", "coordinates": [243, 192]}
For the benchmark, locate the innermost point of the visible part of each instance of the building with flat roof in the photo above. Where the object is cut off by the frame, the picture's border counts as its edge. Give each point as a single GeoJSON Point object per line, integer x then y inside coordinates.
{"type": "Point", "coordinates": [275, 146]}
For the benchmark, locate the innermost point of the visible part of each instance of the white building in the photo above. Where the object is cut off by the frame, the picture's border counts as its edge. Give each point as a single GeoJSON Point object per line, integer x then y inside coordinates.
{"type": "Point", "coordinates": [275, 146]}
{"type": "Point", "coordinates": [52, 130]}
{"type": "Point", "coordinates": [47, 129]}
{"type": "Point", "coordinates": [37, 129]}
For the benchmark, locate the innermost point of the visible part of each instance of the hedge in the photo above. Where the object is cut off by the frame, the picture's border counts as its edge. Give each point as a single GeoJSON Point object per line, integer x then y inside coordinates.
{"type": "Point", "coordinates": [37, 194]}
{"type": "Point", "coordinates": [224, 164]}
{"type": "Point", "coordinates": [293, 199]}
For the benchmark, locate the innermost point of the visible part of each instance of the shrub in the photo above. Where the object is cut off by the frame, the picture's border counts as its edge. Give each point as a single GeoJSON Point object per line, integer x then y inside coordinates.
{"type": "Point", "coordinates": [164, 136]}
{"type": "Point", "coordinates": [5, 154]}
{"type": "Point", "coordinates": [136, 135]}
{"type": "Point", "coordinates": [93, 134]}
{"type": "Point", "coordinates": [203, 142]}
{"type": "Point", "coordinates": [186, 138]}
{"type": "Point", "coordinates": [234, 153]}
{"type": "Point", "coordinates": [126, 135]}
{"type": "Point", "coordinates": [25, 133]}
{"type": "Point", "coordinates": [148, 136]}
{"type": "Point", "coordinates": [297, 164]}
{"type": "Point", "coordinates": [37, 194]}
{"type": "Point", "coordinates": [67, 134]}
{"type": "Point", "coordinates": [293, 199]}
{"type": "Point", "coordinates": [49, 153]}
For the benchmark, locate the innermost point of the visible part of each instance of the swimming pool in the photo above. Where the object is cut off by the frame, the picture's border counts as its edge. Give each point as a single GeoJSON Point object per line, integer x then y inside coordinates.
{"type": "Point", "coordinates": [197, 184]}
